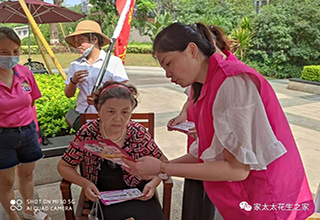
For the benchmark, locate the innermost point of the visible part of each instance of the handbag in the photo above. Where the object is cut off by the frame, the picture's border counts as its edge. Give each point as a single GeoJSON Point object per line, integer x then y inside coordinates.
{"type": "Point", "coordinates": [73, 119]}
{"type": "Point", "coordinates": [93, 214]}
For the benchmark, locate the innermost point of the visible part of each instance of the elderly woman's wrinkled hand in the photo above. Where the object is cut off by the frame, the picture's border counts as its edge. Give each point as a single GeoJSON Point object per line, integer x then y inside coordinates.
{"type": "Point", "coordinates": [148, 191]}
{"type": "Point", "coordinates": [145, 167]}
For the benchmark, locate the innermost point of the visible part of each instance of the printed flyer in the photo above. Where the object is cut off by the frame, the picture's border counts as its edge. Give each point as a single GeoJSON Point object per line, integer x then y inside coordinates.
{"type": "Point", "coordinates": [105, 149]}
{"type": "Point", "coordinates": [117, 196]}
{"type": "Point", "coordinates": [183, 127]}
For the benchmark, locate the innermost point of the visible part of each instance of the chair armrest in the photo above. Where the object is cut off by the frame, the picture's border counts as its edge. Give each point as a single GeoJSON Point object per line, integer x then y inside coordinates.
{"type": "Point", "coordinates": [65, 187]}
{"type": "Point", "coordinates": [167, 192]}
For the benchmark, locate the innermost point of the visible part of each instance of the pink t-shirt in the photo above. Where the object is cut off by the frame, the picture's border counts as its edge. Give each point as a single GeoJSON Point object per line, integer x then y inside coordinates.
{"type": "Point", "coordinates": [16, 102]}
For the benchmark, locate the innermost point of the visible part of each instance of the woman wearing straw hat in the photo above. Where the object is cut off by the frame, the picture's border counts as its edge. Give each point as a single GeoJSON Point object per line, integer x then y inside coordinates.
{"type": "Point", "coordinates": [83, 72]}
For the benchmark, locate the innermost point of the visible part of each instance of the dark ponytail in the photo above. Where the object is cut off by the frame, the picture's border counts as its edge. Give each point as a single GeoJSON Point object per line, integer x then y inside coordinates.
{"type": "Point", "coordinates": [222, 41]}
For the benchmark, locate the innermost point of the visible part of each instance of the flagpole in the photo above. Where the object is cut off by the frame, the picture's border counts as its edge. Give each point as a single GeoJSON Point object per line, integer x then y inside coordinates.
{"type": "Point", "coordinates": [113, 41]}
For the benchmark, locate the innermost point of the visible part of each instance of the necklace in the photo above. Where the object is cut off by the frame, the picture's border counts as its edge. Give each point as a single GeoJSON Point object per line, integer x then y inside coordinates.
{"type": "Point", "coordinates": [104, 133]}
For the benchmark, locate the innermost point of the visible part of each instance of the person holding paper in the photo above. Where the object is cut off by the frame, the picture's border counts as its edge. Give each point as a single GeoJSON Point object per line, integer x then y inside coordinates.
{"type": "Point", "coordinates": [245, 152]}
{"type": "Point", "coordinates": [193, 189]}
{"type": "Point", "coordinates": [115, 103]}
{"type": "Point", "coordinates": [83, 72]}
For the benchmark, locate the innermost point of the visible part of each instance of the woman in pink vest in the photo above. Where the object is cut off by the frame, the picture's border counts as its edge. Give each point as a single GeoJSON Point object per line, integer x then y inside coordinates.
{"type": "Point", "coordinates": [195, 199]}
{"type": "Point", "coordinates": [245, 153]}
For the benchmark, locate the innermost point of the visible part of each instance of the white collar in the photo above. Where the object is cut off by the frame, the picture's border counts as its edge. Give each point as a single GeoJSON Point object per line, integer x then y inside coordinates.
{"type": "Point", "coordinates": [101, 57]}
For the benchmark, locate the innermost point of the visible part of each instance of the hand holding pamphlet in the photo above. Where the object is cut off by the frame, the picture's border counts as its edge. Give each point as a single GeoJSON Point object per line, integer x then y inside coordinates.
{"type": "Point", "coordinates": [105, 149]}
{"type": "Point", "coordinates": [183, 127]}
{"type": "Point", "coordinates": [117, 196]}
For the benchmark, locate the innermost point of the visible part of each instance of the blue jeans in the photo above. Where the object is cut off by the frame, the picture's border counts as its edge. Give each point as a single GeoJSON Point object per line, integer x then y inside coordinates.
{"type": "Point", "coordinates": [19, 145]}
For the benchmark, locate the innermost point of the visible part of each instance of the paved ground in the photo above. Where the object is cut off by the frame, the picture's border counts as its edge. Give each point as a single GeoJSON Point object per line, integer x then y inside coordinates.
{"type": "Point", "coordinates": [158, 95]}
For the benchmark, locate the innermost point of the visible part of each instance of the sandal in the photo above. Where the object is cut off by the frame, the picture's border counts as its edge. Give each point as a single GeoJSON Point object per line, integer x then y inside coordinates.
{"type": "Point", "coordinates": [38, 215]}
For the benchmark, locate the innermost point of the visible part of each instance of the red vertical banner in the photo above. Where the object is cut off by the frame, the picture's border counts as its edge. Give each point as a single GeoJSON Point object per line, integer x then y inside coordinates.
{"type": "Point", "coordinates": [122, 40]}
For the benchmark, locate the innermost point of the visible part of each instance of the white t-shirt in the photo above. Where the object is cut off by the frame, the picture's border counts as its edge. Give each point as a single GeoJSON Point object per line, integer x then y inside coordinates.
{"type": "Point", "coordinates": [115, 72]}
{"type": "Point", "coordinates": [241, 126]}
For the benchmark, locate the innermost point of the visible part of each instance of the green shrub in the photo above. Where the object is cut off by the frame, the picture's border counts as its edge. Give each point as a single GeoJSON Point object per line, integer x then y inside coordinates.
{"type": "Point", "coordinates": [311, 73]}
{"type": "Point", "coordinates": [53, 105]}
{"type": "Point", "coordinates": [276, 71]}
{"type": "Point", "coordinates": [34, 49]}
{"type": "Point", "coordinates": [25, 50]}
{"type": "Point", "coordinates": [132, 48]}
{"type": "Point", "coordinates": [144, 48]}
{"type": "Point", "coordinates": [286, 39]}
{"type": "Point", "coordinates": [139, 48]}
{"type": "Point", "coordinates": [25, 41]}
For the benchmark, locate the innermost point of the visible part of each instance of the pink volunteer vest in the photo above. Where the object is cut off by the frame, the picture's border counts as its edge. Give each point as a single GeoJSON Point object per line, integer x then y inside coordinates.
{"type": "Point", "coordinates": [230, 57]}
{"type": "Point", "coordinates": [281, 191]}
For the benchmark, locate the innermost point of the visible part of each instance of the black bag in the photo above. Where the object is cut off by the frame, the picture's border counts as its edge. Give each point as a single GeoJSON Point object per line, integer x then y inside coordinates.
{"type": "Point", "coordinates": [73, 119]}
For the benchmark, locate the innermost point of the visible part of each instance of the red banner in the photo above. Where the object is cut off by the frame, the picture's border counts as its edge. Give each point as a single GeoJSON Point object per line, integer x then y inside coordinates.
{"type": "Point", "coordinates": [122, 40]}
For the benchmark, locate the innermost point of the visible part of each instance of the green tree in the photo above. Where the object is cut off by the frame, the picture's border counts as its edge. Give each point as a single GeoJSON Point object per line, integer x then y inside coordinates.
{"type": "Point", "coordinates": [242, 38]}
{"type": "Point", "coordinates": [286, 39]}
{"type": "Point", "coordinates": [54, 29]}
{"type": "Point", "coordinates": [226, 14]}
{"type": "Point", "coordinates": [144, 10]}
{"type": "Point", "coordinates": [161, 21]}
{"type": "Point", "coordinates": [106, 14]}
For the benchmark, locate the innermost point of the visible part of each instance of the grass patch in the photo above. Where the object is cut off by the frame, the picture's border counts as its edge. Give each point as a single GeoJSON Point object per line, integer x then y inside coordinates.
{"type": "Point", "coordinates": [134, 59]}
{"type": "Point", "coordinates": [66, 58]}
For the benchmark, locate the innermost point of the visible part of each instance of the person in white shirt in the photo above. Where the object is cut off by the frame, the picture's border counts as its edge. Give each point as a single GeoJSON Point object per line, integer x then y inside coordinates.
{"type": "Point", "coordinates": [83, 72]}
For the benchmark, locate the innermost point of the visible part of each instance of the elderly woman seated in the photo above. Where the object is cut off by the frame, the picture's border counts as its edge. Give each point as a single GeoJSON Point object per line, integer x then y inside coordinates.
{"type": "Point", "coordinates": [115, 103]}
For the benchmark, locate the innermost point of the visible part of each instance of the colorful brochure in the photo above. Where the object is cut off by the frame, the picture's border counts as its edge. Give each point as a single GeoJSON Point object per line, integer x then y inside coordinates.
{"type": "Point", "coordinates": [105, 149]}
{"type": "Point", "coordinates": [183, 127]}
{"type": "Point", "coordinates": [117, 196]}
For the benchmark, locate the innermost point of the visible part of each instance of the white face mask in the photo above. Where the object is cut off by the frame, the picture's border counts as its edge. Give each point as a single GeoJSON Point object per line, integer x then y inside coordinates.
{"type": "Point", "coordinates": [87, 51]}
{"type": "Point", "coordinates": [8, 62]}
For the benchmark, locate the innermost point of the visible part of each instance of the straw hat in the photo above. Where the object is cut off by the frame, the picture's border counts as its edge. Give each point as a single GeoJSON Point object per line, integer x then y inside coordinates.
{"type": "Point", "coordinates": [86, 27]}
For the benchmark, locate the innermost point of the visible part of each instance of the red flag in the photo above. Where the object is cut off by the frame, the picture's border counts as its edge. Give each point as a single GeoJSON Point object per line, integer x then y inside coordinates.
{"type": "Point", "coordinates": [122, 40]}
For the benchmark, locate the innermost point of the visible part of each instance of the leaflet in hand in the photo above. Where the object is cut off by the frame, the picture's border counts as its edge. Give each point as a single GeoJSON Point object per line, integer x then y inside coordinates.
{"type": "Point", "coordinates": [105, 149]}
{"type": "Point", "coordinates": [183, 127]}
{"type": "Point", "coordinates": [117, 196]}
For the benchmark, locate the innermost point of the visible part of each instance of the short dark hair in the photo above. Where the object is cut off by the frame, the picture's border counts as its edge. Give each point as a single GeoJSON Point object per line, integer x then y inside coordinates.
{"type": "Point", "coordinates": [6, 32]}
{"type": "Point", "coordinates": [98, 36]}
{"type": "Point", "coordinates": [128, 92]}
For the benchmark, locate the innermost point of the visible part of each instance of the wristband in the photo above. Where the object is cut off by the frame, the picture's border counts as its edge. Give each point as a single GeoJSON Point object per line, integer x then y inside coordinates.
{"type": "Point", "coordinates": [72, 81]}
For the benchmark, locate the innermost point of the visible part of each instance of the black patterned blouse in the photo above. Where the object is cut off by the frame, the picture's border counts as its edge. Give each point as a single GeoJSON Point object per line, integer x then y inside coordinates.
{"type": "Point", "coordinates": [138, 143]}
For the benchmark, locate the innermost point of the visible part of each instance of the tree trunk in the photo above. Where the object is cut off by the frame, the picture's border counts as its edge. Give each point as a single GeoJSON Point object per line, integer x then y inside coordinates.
{"type": "Point", "coordinates": [54, 34]}
{"type": "Point", "coordinates": [54, 29]}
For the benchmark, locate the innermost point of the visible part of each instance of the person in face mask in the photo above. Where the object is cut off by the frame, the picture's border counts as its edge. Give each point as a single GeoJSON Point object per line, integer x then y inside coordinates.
{"type": "Point", "coordinates": [19, 147]}
{"type": "Point", "coordinates": [83, 72]}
